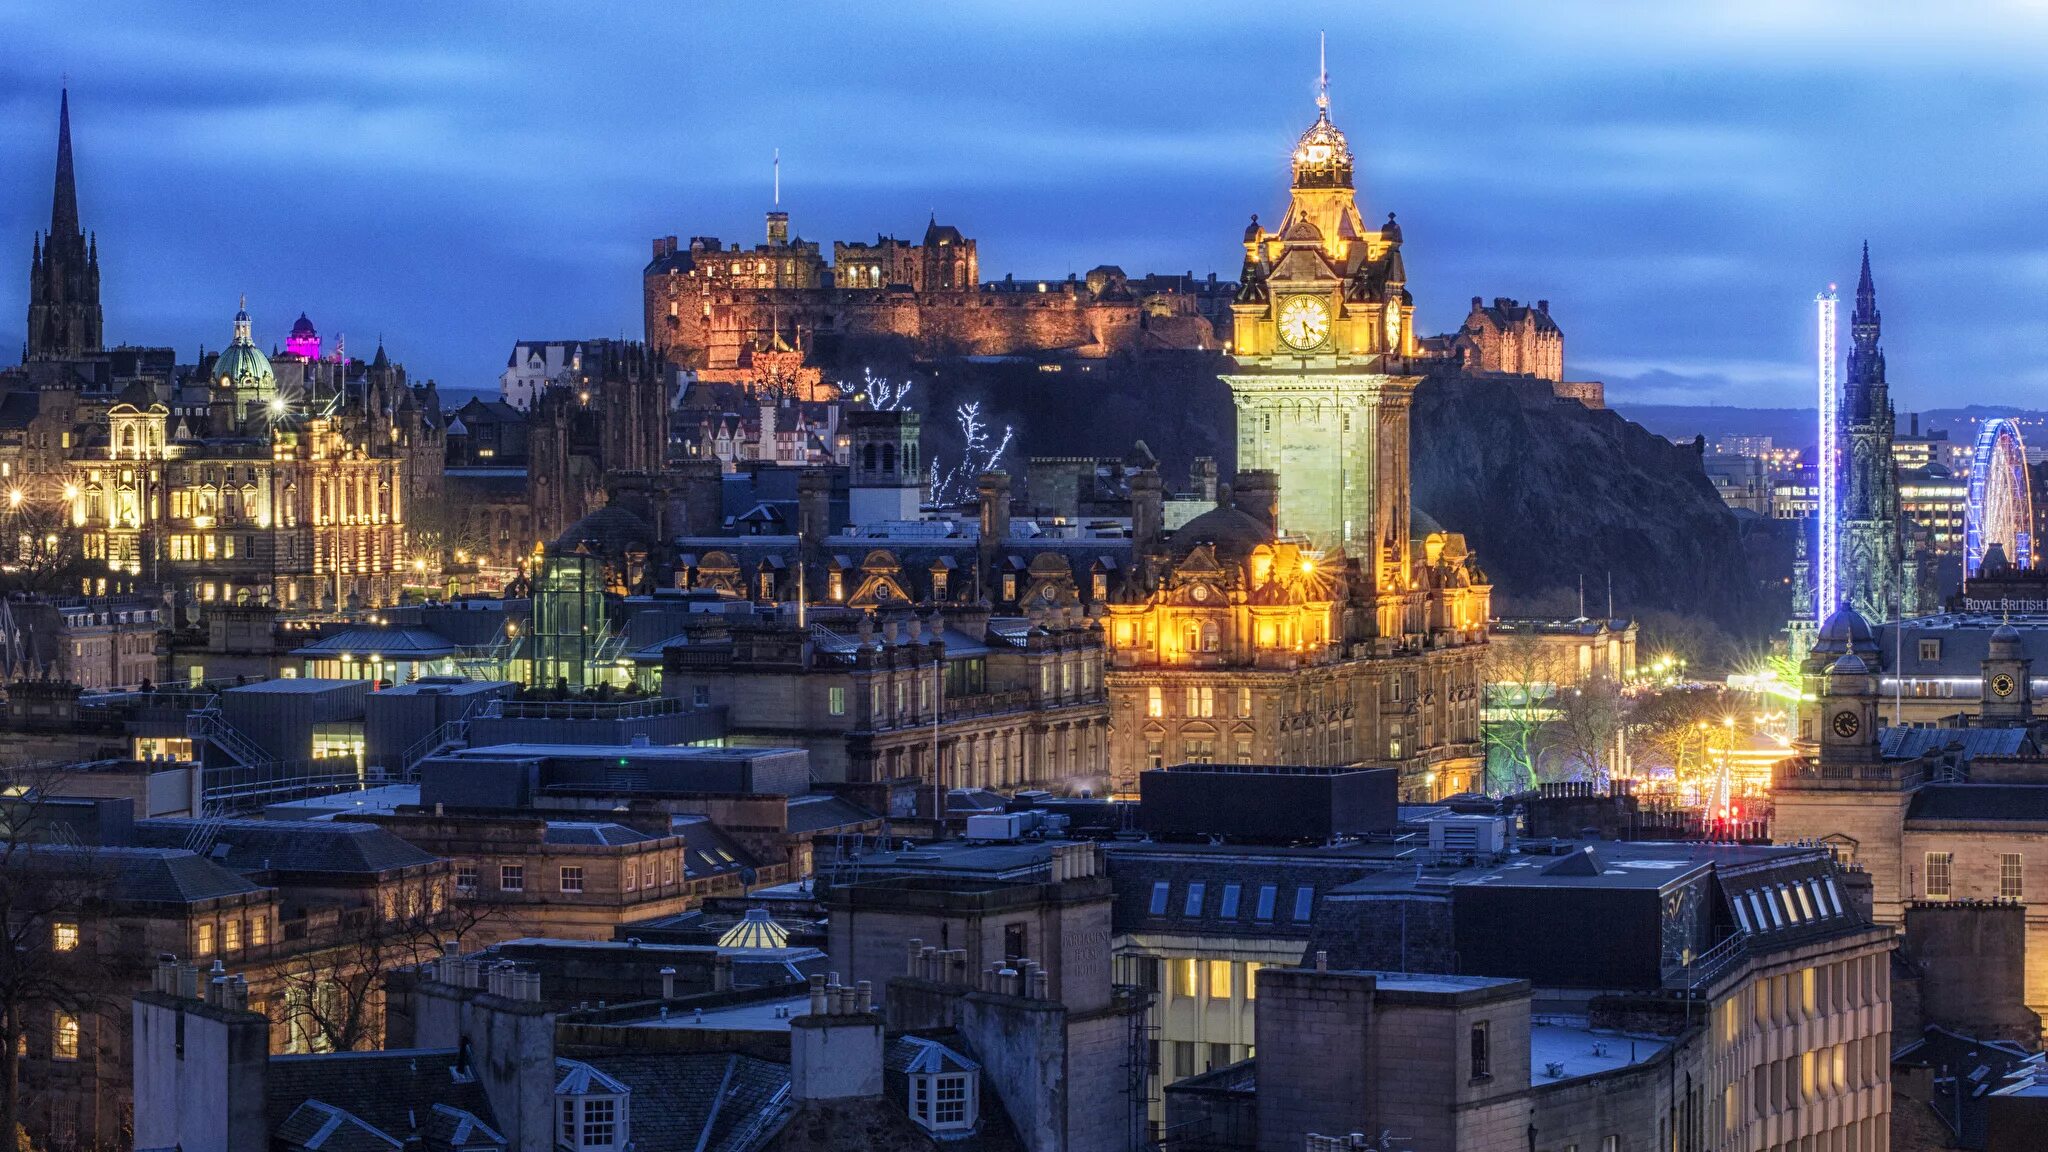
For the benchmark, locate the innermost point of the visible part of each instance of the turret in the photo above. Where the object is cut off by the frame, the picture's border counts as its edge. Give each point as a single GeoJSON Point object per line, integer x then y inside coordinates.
{"type": "Point", "coordinates": [2008, 685]}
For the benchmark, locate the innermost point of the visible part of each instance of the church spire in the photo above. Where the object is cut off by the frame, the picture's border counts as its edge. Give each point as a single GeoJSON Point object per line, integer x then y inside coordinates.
{"type": "Point", "coordinates": [1866, 296]}
{"type": "Point", "coordinates": [64, 200]}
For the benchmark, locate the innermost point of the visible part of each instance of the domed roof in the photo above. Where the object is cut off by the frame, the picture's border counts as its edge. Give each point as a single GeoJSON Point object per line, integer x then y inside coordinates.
{"type": "Point", "coordinates": [1233, 533]}
{"type": "Point", "coordinates": [757, 929]}
{"type": "Point", "coordinates": [303, 326]}
{"type": "Point", "coordinates": [1421, 523]}
{"type": "Point", "coordinates": [610, 531]}
{"type": "Point", "coordinates": [2005, 642]}
{"type": "Point", "coordinates": [1843, 630]}
{"type": "Point", "coordinates": [242, 364]}
{"type": "Point", "coordinates": [1322, 156]}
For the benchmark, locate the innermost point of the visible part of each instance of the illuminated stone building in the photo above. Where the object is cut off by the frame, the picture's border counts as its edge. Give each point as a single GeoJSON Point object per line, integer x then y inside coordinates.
{"type": "Point", "coordinates": [1942, 808]}
{"type": "Point", "coordinates": [714, 308]}
{"type": "Point", "coordinates": [234, 488]}
{"type": "Point", "coordinates": [1322, 344]}
{"type": "Point", "coordinates": [1253, 648]}
{"type": "Point", "coordinates": [1297, 623]}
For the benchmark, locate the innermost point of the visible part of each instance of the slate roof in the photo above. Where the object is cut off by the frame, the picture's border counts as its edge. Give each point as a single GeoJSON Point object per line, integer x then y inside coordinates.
{"type": "Point", "coordinates": [819, 811]}
{"type": "Point", "coordinates": [1232, 887]}
{"type": "Point", "coordinates": [1989, 802]}
{"type": "Point", "coordinates": [399, 643]}
{"type": "Point", "coordinates": [718, 1102]}
{"type": "Point", "coordinates": [386, 1090]}
{"type": "Point", "coordinates": [1913, 743]}
{"type": "Point", "coordinates": [593, 835]}
{"type": "Point", "coordinates": [163, 875]}
{"type": "Point", "coordinates": [294, 845]}
{"type": "Point", "coordinates": [319, 1127]}
{"type": "Point", "coordinates": [854, 1125]}
{"type": "Point", "coordinates": [709, 851]}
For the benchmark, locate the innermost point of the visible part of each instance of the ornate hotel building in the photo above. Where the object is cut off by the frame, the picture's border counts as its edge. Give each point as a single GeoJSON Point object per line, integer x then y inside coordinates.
{"type": "Point", "coordinates": [1296, 623]}
{"type": "Point", "coordinates": [236, 488]}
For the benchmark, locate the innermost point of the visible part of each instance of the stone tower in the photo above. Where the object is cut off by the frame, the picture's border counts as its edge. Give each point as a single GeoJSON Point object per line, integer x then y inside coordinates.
{"type": "Point", "coordinates": [888, 480]}
{"type": "Point", "coordinates": [64, 272]}
{"type": "Point", "coordinates": [2008, 691]}
{"type": "Point", "coordinates": [1322, 389]}
{"type": "Point", "coordinates": [1871, 540]}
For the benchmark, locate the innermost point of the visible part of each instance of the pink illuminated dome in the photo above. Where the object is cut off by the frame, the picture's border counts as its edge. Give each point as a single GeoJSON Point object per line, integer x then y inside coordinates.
{"type": "Point", "coordinates": [304, 340]}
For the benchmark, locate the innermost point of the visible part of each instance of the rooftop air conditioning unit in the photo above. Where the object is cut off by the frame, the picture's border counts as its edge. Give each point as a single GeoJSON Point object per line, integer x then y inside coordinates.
{"type": "Point", "coordinates": [1468, 835]}
{"type": "Point", "coordinates": [1006, 826]}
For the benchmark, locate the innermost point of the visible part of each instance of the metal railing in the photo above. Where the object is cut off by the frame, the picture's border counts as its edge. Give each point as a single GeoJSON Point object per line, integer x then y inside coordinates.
{"type": "Point", "coordinates": [209, 725]}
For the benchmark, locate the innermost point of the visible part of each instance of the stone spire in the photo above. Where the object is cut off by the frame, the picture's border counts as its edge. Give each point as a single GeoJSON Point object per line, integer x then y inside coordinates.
{"type": "Point", "coordinates": [64, 200]}
{"type": "Point", "coordinates": [64, 275]}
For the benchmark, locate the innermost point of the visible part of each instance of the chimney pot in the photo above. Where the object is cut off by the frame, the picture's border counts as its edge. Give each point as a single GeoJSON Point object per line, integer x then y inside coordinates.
{"type": "Point", "coordinates": [1322, 961]}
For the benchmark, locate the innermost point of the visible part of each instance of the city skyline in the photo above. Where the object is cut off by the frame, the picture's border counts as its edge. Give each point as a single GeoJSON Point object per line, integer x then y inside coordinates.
{"type": "Point", "coordinates": [409, 177]}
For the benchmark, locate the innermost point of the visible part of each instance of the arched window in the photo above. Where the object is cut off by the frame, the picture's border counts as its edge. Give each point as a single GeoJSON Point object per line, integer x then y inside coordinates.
{"type": "Point", "coordinates": [888, 457]}
{"type": "Point", "coordinates": [1212, 637]}
{"type": "Point", "coordinates": [867, 457]}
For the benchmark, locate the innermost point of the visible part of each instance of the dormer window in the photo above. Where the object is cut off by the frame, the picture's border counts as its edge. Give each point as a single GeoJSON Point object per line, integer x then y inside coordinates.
{"type": "Point", "coordinates": [943, 1103]}
{"type": "Point", "coordinates": [943, 1087]}
{"type": "Point", "coordinates": [591, 1108]}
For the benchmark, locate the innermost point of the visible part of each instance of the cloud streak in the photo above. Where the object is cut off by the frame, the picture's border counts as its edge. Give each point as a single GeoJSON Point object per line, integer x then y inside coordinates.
{"type": "Point", "coordinates": [1677, 180]}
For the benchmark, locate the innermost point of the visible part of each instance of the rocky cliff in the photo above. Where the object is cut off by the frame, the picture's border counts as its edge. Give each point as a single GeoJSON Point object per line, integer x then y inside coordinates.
{"type": "Point", "coordinates": [1547, 491]}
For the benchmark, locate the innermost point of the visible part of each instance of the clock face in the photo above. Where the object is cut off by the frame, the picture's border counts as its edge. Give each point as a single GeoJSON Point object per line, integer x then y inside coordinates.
{"type": "Point", "coordinates": [1393, 327]}
{"type": "Point", "coordinates": [2002, 684]}
{"type": "Point", "coordinates": [1847, 725]}
{"type": "Point", "coordinates": [1200, 592]}
{"type": "Point", "coordinates": [1304, 322]}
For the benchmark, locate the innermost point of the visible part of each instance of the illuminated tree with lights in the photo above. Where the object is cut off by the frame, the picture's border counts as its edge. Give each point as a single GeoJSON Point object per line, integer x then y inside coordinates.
{"type": "Point", "coordinates": [877, 392]}
{"type": "Point", "coordinates": [978, 457]}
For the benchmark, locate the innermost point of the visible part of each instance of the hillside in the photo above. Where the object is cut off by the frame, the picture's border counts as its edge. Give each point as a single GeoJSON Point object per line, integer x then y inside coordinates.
{"type": "Point", "coordinates": [1548, 491]}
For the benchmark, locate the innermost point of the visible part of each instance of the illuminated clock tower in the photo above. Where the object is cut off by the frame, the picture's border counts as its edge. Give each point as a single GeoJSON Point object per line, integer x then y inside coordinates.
{"type": "Point", "coordinates": [1322, 336]}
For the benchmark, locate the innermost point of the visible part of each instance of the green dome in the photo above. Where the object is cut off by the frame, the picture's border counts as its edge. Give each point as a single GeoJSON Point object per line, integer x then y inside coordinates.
{"type": "Point", "coordinates": [242, 364]}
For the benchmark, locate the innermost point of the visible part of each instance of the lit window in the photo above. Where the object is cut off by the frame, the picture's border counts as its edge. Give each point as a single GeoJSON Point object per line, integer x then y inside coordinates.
{"type": "Point", "coordinates": [231, 935]}
{"type": "Point", "coordinates": [2012, 877]}
{"type": "Point", "coordinates": [63, 935]}
{"type": "Point", "coordinates": [1155, 702]}
{"type": "Point", "coordinates": [465, 879]}
{"type": "Point", "coordinates": [1251, 979]}
{"type": "Point", "coordinates": [835, 700]}
{"type": "Point", "coordinates": [1219, 979]}
{"type": "Point", "coordinates": [259, 931]}
{"type": "Point", "coordinates": [511, 877]}
{"type": "Point", "coordinates": [572, 877]}
{"type": "Point", "coordinates": [64, 1037]}
{"type": "Point", "coordinates": [204, 945]}
{"type": "Point", "coordinates": [1938, 865]}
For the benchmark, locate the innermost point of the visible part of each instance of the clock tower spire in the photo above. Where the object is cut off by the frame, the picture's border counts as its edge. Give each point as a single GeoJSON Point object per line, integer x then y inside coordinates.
{"type": "Point", "coordinates": [1321, 337]}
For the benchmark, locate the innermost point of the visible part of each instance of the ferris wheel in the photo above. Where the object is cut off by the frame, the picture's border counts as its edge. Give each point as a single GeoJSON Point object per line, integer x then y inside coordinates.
{"type": "Point", "coordinates": [2001, 504]}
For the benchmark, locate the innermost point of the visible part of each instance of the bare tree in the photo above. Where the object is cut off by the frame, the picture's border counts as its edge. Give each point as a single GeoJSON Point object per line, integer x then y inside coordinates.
{"type": "Point", "coordinates": [1591, 715]}
{"type": "Point", "coordinates": [1523, 677]}
{"type": "Point", "coordinates": [56, 971]}
{"type": "Point", "coordinates": [42, 551]}
{"type": "Point", "coordinates": [334, 995]}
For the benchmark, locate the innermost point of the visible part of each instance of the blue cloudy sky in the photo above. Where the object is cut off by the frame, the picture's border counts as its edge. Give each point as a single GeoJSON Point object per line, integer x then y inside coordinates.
{"type": "Point", "coordinates": [1676, 179]}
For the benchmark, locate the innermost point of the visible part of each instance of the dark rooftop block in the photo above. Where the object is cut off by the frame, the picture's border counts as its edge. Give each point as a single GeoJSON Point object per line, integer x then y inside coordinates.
{"type": "Point", "coordinates": [1266, 803]}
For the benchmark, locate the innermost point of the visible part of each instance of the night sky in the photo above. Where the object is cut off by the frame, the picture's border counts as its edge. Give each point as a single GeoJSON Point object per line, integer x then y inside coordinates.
{"type": "Point", "coordinates": [1677, 180]}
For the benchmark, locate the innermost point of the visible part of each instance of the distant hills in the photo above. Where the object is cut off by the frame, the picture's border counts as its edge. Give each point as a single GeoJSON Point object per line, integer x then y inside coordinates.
{"type": "Point", "coordinates": [1795, 426]}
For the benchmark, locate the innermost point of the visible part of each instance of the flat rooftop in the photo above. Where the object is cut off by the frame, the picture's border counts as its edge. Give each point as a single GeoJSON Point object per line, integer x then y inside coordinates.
{"type": "Point", "coordinates": [379, 801]}
{"type": "Point", "coordinates": [761, 1016]}
{"type": "Point", "coordinates": [584, 751]}
{"type": "Point", "coordinates": [1574, 1048]}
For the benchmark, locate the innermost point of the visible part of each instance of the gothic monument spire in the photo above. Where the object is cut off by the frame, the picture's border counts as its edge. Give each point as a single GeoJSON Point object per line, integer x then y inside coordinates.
{"type": "Point", "coordinates": [64, 272]}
